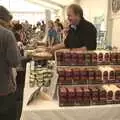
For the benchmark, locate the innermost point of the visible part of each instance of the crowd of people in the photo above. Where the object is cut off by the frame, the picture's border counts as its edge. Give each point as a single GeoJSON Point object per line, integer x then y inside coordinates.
{"type": "Point", "coordinates": [55, 32]}
{"type": "Point", "coordinates": [53, 29]}
{"type": "Point", "coordinates": [13, 37]}
{"type": "Point", "coordinates": [12, 32]}
{"type": "Point", "coordinates": [25, 31]}
{"type": "Point", "coordinates": [79, 34]}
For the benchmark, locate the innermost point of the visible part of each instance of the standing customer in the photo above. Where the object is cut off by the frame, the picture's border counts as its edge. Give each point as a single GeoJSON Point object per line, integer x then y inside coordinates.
{"type": "Point", "coordinates": [43, 26]}
{"type": "Point", "coordinates": [59, 32]}
{"type": "Point", "coordinates": [81, 34]}
{"type": "Point", "coordinates": [52, 34]}
{"type": "Point", "coordinates": [9, 59]}
{"type": "Point", "coordinates": [21, 71]}
{"type": "Point", "coordinates": [59, 23]}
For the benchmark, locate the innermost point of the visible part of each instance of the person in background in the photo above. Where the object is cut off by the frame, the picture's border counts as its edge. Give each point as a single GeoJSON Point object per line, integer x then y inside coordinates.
{"type": "Point", "coordinates": [38, 25]}
{"type": "Point", "coordinates": [43, 26]}
{"type": "Point", "coordinates": [18, 29]}
{"type": "Point", "coordinates": [52, 34]}
{"type": "Point", "coordinates": [20, 78]}
{"type": "Point", "coordinates": [21, 71]}
{"type": "Point", "coordinates": [34, 28]}
{"type": "Point", "coordinates": [23, 35]}
{"type": "Point", "coordinates": [59, 23]}
{"type": "Point", "coordinates": [9, 60]}
{"type": "Point", "coordinates": [81, 34]}
{"type": "Point", "coordinates": [65, 31]}
{"type": "Point", "coordinates": [59, 32]}
{"type": "Point", "coordinates": [26, 25]}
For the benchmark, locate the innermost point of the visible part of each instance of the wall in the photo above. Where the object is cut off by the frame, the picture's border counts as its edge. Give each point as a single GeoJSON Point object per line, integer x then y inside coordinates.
{"type": "Point", "coordinates": [93, 8]}
{"type": "Point", "coordinates": [23, 10]}
{"type": "Point", "coordinates": [116, 32]}
{"type": "Point", "coordinates": [21, 6]}
{"type": "Point", "coordinates": [31, 17]}
{"type": "Point", "coordinates": [113, 27]}
{"type": "Point", "coordinates": [97, 7]}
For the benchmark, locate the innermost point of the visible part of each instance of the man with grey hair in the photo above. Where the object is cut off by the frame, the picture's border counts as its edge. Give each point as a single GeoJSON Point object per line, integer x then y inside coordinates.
{"type": "Point", "coordinates": [9, 59]}
{"type": "Point", "coordinates": [81, 35]}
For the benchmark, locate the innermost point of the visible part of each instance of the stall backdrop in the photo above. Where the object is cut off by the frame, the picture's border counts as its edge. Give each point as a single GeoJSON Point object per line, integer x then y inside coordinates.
{"type": "Point", "coordinates": [115, 16]}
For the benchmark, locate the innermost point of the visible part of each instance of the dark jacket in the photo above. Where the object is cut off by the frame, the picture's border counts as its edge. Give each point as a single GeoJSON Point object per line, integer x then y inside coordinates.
{"type": "Point", "coordinates": [84, 35]}
{"type": "Point", "coordinates": [9, 58]}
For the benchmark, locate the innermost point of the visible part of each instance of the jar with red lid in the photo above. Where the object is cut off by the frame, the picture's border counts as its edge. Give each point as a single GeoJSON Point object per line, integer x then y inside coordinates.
{"type": "Point", "coordinates": [68, 76]}
{"type": "Point", "coordinates": [105, 77]}
{"type": "Point", "coordinates": [61, 72]}
{"type": "Point", "coordinates": [63, 96]}
{"type": "Point", "coordinates": [98, 76]}
{"type": "Point", "coordinates": [118, 58]}
{"type": "Point", "coordinates": [86, 96]}
{"type": "Point", "coordinates": [117, 76]}
{"type": "Point", "coordinates": [71, 95]}
{"type": "Point", "coordinates": [76, 75]}
{"type": "Point", "coordinates": [59, 57]}
{"type": "Point", "coordinates": [110, 97]}
{"type": "Point", "coordinates": [106, 58]}
{"type": "Point", "coordinates": [74, 58]}
{"type": "Point", "coordinates": [102, 96]}
{"type": "Point", "coordinates": [117, 96]}
{"type": "Point", "coordinates": [67, 58]}
{"type": "Point", "coordinates": [81, 59]}
{"type": "Point", "coordinates": [94, 58]}
{"type": "Point", "coordinates": [94, 95]}
{"type": "Point", "coordinates": [79, 95]}
{"type": "Point", "coordinates": [61, 79]}
{"type": "Point", "coordinates": [91, 76]}
{"type": "Point", "coordinates": [84, 76]}
{"type": "Point", "coordinates": [112, 77]}
{"type": "Point", "coordinates": [113, 58]}
{"type": "Point", "coordinates": [100, 58]}
{"type": "Point", "coordinates": [88, 59]}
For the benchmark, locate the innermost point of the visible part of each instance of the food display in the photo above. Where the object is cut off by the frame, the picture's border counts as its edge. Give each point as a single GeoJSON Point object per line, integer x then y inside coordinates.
{"type": "Point", "coordinates": [88, 78]}
{"type": "Point", "coordinates": [41, 56]}
{"type": "Point", "coordinates": [74, 96]}
{"type": "Point", "coordinates": [88, 75]}
{"type": "Point", "coordinates": [84, 78]}
{"type": "Point", "coordinates": [39, 53]}
{"type": "Point", "coordinates": [40, 76]}
{"type": "Point", "coordinates": [113, 93]}
{"type": "Point", "coordinates": [91, 58]}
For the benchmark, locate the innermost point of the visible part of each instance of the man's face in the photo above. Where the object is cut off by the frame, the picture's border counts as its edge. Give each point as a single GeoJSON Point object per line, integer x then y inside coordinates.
{"type": "Point", "coordinates": [72, 17]}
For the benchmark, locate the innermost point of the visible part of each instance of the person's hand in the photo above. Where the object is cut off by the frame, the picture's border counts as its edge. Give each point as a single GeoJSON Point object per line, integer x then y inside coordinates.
{"type": "Point", "coordinates": [82, 49]}
{"type": "Point", "coordinates": [50, 49]}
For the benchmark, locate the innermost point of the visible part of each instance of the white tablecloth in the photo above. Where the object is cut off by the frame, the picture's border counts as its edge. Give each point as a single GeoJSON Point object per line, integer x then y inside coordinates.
{"type": "Point", "coordinates": [49, 110]}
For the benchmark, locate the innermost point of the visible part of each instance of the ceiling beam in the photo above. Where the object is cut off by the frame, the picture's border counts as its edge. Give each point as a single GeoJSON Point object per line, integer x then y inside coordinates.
{"type": "Point", "coordinates": [38, 2]}
{"type": "Point", "coordinates": [53, 3]}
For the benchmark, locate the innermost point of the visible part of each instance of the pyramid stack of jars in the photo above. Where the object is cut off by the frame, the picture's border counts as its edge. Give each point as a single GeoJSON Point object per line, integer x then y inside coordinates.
{"type": "Point", "coordinates": [40, 76]}
{"type": "Point", "coordinates": [75, 58]}
{"type": "Point", "coordinates": [88, 78]}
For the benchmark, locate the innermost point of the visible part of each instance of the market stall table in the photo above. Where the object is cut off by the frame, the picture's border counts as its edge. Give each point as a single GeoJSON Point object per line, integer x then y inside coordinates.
{"type": "Point", "coordinates": [50, 110]}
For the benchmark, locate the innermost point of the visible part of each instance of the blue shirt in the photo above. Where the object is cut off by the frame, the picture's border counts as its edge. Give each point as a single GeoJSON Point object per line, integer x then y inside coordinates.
{"type": "Point", "coordinates": [52, 34]}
